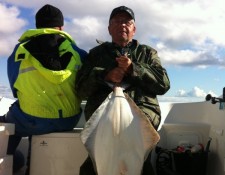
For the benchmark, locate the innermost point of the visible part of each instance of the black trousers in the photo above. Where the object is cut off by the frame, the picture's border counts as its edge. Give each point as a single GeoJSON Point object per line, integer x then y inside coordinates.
{"type": "Point", "coordinates": [87, 167]}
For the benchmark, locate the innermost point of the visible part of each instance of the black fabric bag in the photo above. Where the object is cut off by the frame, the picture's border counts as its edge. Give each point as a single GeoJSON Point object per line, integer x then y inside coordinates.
{"type": "Point", "coordinates": [170, 162]}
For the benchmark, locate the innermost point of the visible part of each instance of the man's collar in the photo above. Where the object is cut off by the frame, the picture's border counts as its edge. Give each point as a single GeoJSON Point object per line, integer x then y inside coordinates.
{"type": "Point", "coordinates": [127, 46]}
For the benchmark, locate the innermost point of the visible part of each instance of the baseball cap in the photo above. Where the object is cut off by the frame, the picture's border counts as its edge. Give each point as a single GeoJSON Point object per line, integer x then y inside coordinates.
{"type": "Point", "coordinates": [49, 16]}
{"type": "Point", "coordinates": [122, 9]}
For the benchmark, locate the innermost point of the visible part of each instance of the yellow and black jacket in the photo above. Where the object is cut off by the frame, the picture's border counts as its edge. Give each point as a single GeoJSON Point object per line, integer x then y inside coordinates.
{"type": "Point", "coordinates": [42, 73]}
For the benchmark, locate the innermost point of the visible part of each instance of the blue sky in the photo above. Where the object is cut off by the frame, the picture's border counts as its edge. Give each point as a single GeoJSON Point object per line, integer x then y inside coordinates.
{"type": "Point", "coordinates": [188, 35]}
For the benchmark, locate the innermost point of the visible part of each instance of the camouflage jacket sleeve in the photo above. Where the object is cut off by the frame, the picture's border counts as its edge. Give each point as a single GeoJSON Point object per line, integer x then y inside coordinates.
{"type": "Point", "coordinates": [148, 73]}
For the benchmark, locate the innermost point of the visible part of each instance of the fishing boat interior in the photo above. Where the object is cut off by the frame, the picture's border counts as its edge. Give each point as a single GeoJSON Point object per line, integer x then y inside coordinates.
{"type": "Point", "coordinates": [192, 142]}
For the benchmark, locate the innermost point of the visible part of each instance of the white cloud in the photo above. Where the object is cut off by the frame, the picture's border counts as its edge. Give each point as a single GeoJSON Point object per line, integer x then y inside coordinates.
{"type": "Point", "coordinates": [187, 33]}
{"type": "Point", "coordinates": [11, 25]}
{"type": "Point", "coordinates": [194, 95]}
{"type": "Point", "coordinates": [195, 92]}
{"type": "Point", "coordinates": [10, 22]}
{"type": "Point", "coordinates": [86, 30]}
{"type": "Point", "coordinates": [181, 92]}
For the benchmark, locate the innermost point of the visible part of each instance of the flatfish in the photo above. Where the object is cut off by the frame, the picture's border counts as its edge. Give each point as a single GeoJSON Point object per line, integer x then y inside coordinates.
{"type": "Point", "coordinates": [118, 136]}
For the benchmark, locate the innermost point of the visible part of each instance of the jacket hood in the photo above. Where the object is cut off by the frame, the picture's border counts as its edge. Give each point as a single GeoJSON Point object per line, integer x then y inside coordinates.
{"type": "Point", "coordinates": [36, 32]}
{"type": "Point", "coordinates": [56, 77]}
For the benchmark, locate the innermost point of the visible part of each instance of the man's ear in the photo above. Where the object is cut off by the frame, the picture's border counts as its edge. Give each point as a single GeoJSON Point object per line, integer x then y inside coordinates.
{"type": "Point", "coordinates": [59, 28]}
{"type": "Point", "coordinates": [134, 30]}
{"type": "Point", "coordinates": [109, 30]}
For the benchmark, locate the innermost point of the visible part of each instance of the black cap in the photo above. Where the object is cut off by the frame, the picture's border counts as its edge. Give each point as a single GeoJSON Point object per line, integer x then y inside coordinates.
{"type": "Point", "coordinates": [122, 9]}
{"type": "Point", "coordinates": [49, 16]}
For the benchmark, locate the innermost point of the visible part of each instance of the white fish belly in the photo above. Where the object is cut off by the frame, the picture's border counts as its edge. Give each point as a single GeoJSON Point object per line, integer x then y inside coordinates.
{"type": "Point", "coordinates": [119, 136]}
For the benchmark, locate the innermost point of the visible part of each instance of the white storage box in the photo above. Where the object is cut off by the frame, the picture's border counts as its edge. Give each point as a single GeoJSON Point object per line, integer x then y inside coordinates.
{"type": "Point", "coordinates": [57, 154]}
{"type": "Point", "coordinates": [6, 129]}
{"type": "Point", "coordinates": [6, 164]}
{"type": "Point", "coordinates": [173, 135]}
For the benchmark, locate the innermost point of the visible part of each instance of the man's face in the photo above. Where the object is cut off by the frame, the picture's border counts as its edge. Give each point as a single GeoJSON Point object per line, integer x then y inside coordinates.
{"type": "Point", "coordinates": [121, 28]}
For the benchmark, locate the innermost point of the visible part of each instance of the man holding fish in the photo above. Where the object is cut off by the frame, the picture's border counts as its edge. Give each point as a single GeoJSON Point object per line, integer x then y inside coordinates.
{"type": "Point", "coordinates": [124, 62]}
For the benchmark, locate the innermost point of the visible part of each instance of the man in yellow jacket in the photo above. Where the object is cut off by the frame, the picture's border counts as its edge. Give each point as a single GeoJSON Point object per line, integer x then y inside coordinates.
{"type": "Point", "coordinates": [42, 72]}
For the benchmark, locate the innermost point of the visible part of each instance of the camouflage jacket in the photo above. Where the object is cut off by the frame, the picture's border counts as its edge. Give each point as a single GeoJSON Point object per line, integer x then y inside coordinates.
{"type": "Point", "coordinates": [147, 80]}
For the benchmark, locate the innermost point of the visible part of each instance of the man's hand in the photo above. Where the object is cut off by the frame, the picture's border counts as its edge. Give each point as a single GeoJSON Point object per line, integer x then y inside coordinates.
{"type": "Point", "coordinates": [124, 66]}
{"type": "Point", "coordinates": [115, 75]}
{"type": "Point", "coordinates": [124, 63]}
